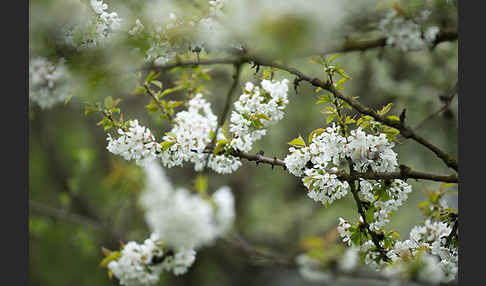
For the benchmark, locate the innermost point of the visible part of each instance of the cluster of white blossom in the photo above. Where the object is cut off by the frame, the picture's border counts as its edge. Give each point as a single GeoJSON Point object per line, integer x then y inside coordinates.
{"type": "Point", "coordinates": [427, 247]}
{"type": "Point", "coordinates": [324, 187]}
{"type": "Point", "coordinates": [190, 136]}
{"type": "Point", "coordinates": [95, 31]}
{"type": "Point", "coordinates": [135, 143]}
{"type": "Point", "coordinates": [423, 267]}
{"type": "Point", "coordinates": [142, 264]}
{"type": "Point", "coordinates": [370, 152]}
{"type": "Point", "coordinates": [391, 197]}
{"type": "Point", "coordinates": [194, 127]}
{"type": "Point", "coordinates": [182, 219]}
{"type": "Point", "coordinates": [48, 82]}
{"type": "Point", "coordinates": [256, 109]}
{"type": "Point", "coordinates": [433, 236]}
{"type": "Point", "coordinates": [407, 34]}
{"type": "Point", "coordinates": [426, 250]}
{"type": "Point", "coordinates": [343, 230]}
{"type": "Point", "coordinates": [328, 151]}
{"type": "Point", "coordinates": [372, 258]}
{"type": "Point", "coordinates": [181, 223]}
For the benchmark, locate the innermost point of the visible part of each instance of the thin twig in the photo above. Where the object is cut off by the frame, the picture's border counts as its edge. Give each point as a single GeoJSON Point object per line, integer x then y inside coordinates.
{"type": "Point", "coordinates": [226, 108]}
{"type": "Point", "coordinates": [447, 99]}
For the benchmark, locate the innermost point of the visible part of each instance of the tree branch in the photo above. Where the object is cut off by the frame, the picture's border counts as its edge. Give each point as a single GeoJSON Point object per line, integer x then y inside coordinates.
{"type": "Point", "coordinates": [447, 99]}
{"type": "Point", "coordinates": [363, 45]}
{"type": "Point", "coordinates": [226, 108]}
{"type": "Point", "coordinates": [404, 173]}
{"type": "Point", "coordinates": [400, 125]}
{"type": "Point", "coordinates": [159, 104]}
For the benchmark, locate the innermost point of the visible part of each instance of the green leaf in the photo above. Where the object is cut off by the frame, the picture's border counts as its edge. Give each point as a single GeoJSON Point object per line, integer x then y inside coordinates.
{"type": "Point", "coordinates": [329, 118]}
{"type": "Point", "coordinates": [261, 116]}
{"type": "Point", "coordinates": [393, 117]}
{"type": "Point", "coordinates": [370, 214]}
{"type": "Point", "coordinates": [174, 104]}
{"type": "Point", "coordinates": [297, 142]}
{"type": "Point", "coordinates": [220, 144]}
{"type": "Point", "coordinates": [390, 132]}
{"type": "Point", "coordinates": [171, 90]}
{"type": "Point", "coordinates": [114, 255]}
{"type": "Point", "coordinates": [324, 99]}
{"type": "Point", "coordinates": [139, 90]}
{"type": "Point", "coordinates": [224, 128]}
{"type": "Point", "coordinates": [340, 82]}
{"type": "Point", "coordinates": [385, 109]}
{"type": "Point", "coordinates": [108, 102]}
{"type": "Point", "coordinates": [343, 73]}
{"type": "Point", "coordinates": [157, 83]}
{"type": "Point", "coordinates": [152, 107]}
{"type": "Point", "coordinates": [166, 145]}
{"type": "Point", "coordinates": [333, 57]}
{"type": "Point", "coordinates": [316, 132]}
{"type": "Point", "coordinates": [90, 109]}
{"type": "Point", "coordinates": [151, 76]}
{"type": "Point", "coordinates": [201, 184]}
{"type": "Point", "coordinates": [256, 122]}
{"type": "Point", "coordinates": [68, 100]}
{"type": "Point", "coordinates": [307, 179]}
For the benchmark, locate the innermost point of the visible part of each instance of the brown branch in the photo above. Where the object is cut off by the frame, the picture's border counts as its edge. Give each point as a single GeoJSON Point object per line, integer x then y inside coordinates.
{"type": "Point", "coordinates": [226, 108]}
{"type": "Point", "coordinates": [447, 99]}
{"type": "Point", "coordinates": [404, 173]}
{"type": "Point", "coordinates": [400, 125]}
{"type": "Point", "coordinates": [374, 236]}
{"type": "Point", "coordinates": [159, 104]}
{"type": "Point", "coordinates": [64, 214]}
{"type": "Point", "coordinates": [363, 45]}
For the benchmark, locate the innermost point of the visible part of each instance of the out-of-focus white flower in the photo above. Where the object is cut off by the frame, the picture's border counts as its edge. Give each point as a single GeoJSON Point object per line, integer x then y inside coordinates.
{"type": "Point", "coordinates": [48, 82]}
{"type": "Point", "coordinates": [182, 219]}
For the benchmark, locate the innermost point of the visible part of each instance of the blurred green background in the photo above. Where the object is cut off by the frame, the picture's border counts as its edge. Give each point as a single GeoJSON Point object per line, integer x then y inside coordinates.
{"type": "Point", "coordinates": [82, 197]}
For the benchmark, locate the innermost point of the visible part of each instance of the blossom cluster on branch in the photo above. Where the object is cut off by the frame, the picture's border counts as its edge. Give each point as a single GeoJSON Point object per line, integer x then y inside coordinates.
{"type": "Point", "coordinates": [256, 109]}
{"type": "Point", "coordinates": [180, 222]}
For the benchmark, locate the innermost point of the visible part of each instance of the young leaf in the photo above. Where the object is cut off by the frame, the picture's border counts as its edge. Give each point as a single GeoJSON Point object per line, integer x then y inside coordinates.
{"type": "Point", "coordinates": [329, 118]}
{"type": "Point", "coordinates": [385, 109]}
{"type": "Point", "coordinates": [333, 57]}
{"type": "Point", "coordinates": [299, 142]}
{"type": "Point", "coordinates": [166, 145]}
{"type": "Point", "coordinates": [114, 255]}
{"type": "Point", "coordinates": [316, 132]}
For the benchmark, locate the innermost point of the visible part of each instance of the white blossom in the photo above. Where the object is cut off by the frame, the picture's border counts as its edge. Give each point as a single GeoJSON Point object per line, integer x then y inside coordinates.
{"type": "Point", "coordinates": [349, 260]}
{"type": "Point", "coordinates": [136, 143]}
{"type": "Point", "coordinates": [182, 219]}
{"type": "Point", "coordinates": [191, 134]}
{"type": "Point", "coordinates": [406, 34]}
{"type": "Point", "coordinates": [370, 152]}
{"type": "Point", "coordinates": [134, 267]}
{"type": "Point", "coordinates": [324, 187]}
{"type": "Point", "coordinates": [137, 264]}
{"type": "Point", "coordinates": [343, 230]}
{"type": "Point", "coordinates": [48, 82]}
{"type": "Point", "coordinates": [297, 160]}
{"type": "Point", "coordinates": [264, 105]}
